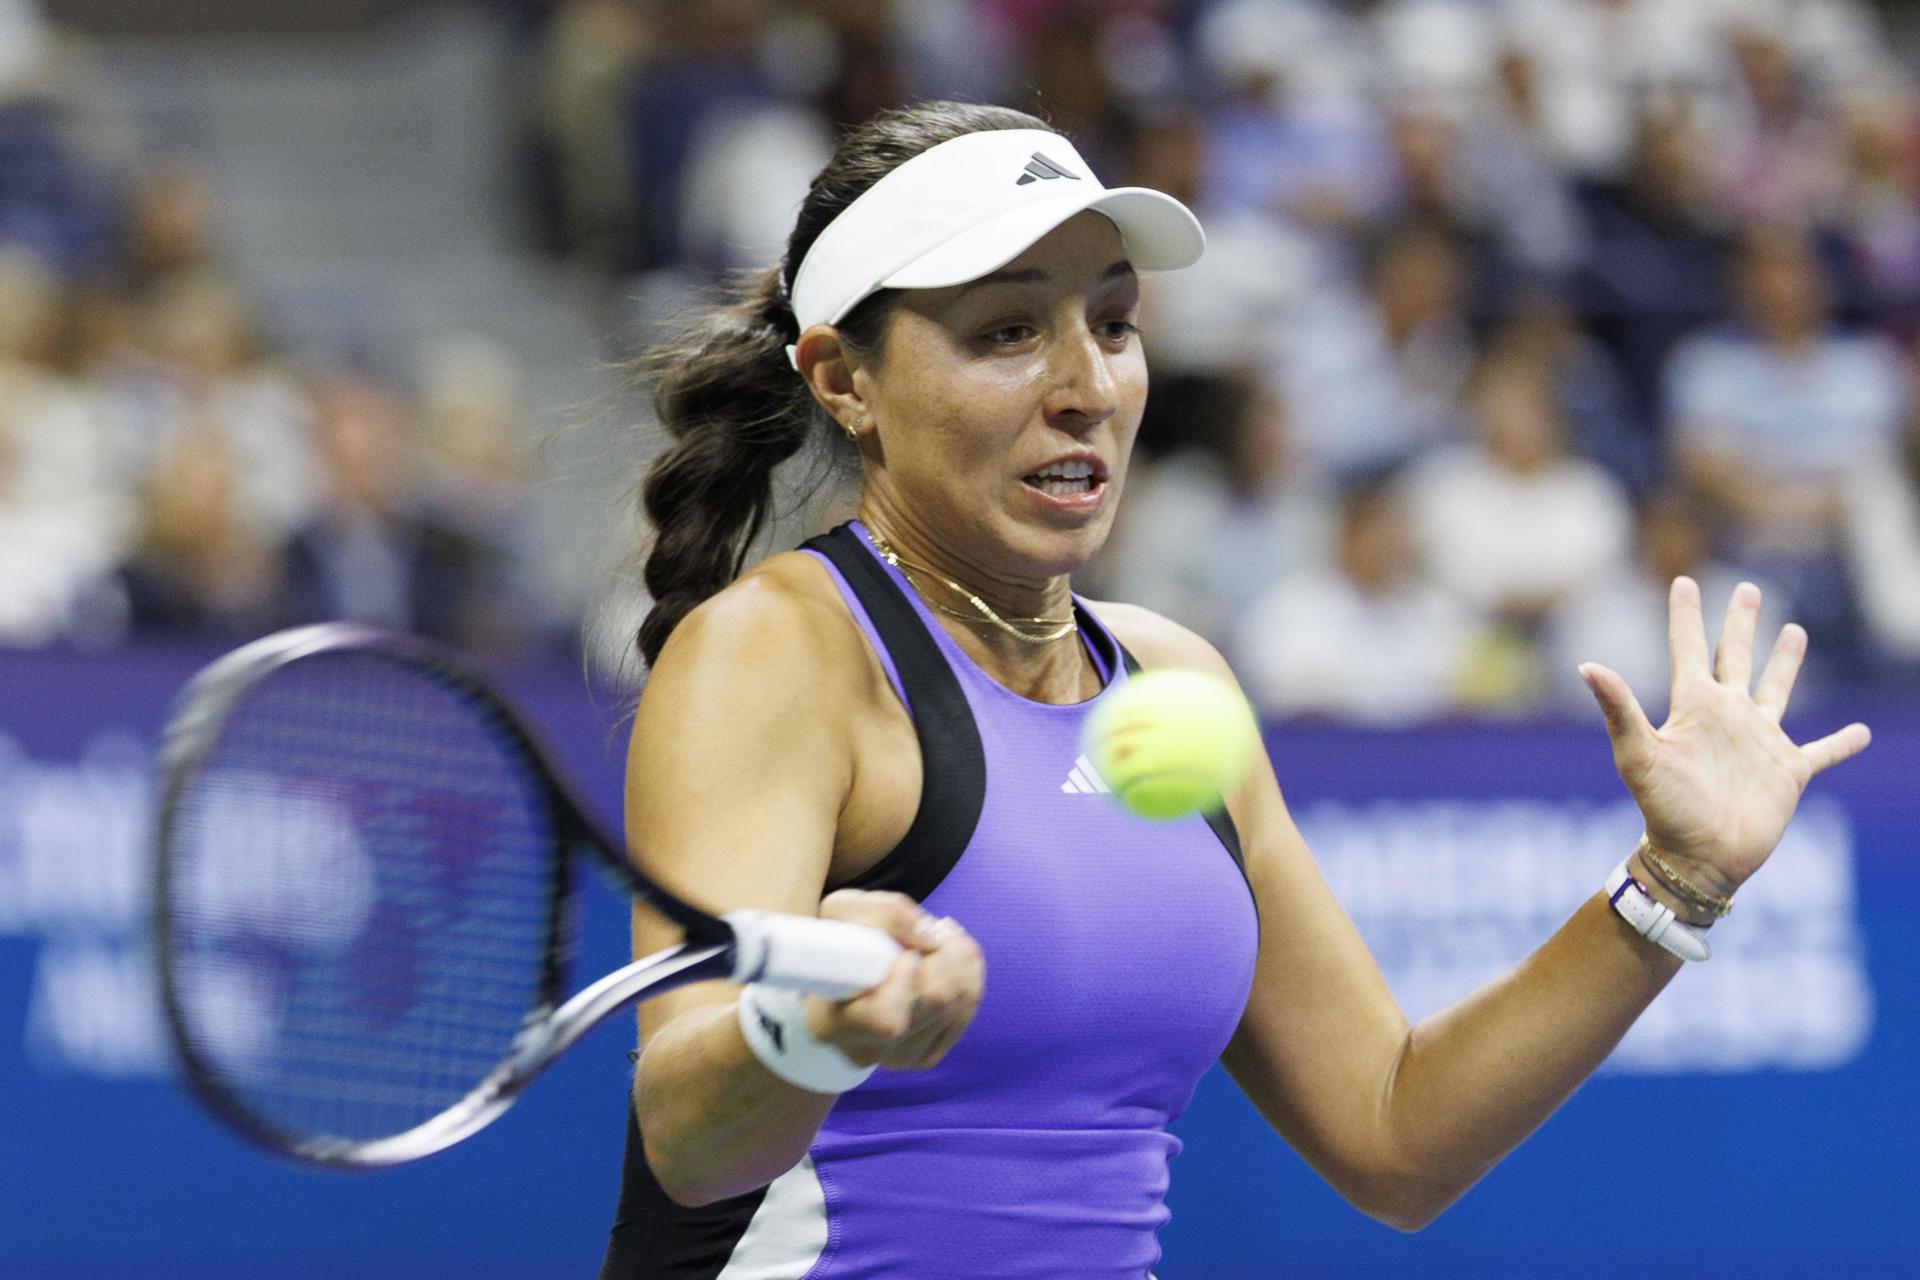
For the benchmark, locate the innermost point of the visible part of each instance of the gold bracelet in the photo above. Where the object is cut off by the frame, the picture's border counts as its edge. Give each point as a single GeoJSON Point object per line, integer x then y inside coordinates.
{"type": "Point", "coordinates": [1678, 884]}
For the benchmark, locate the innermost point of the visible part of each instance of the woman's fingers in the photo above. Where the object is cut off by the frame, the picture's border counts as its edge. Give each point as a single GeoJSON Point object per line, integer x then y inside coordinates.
{"type": "Point", "coordinates": [927, 999]}
{"type": "Point", "coordinates": [949, 986]}
{"type": "Point", "coordinates": [1783, 668]}
{"type": "Point", "coordinates": [1733, 664]}
{"type": "Point", "coordinates": [866, 1026]}
{"type": "Point", "coordinates": [1845, 744]}
{"type": "Point", "coordinates": [1686, 631]}
{"type": "Point", "coordinates": [892, 913]}
{"type": "Point", "coordinates": [1627, 724]}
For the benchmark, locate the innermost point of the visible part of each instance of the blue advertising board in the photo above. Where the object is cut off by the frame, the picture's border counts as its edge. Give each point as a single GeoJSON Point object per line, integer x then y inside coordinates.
{"type": "Point", "coordinates": [1759, 1121]}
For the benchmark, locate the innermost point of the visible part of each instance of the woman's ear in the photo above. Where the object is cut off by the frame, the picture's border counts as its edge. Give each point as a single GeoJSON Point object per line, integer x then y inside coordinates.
{"type": "Point", "coordinates": [827, 366]}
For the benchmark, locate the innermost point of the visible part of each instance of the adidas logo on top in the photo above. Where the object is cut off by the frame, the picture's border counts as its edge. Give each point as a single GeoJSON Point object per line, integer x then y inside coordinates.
{"type": "Point", "coordinates": [1045, 170]}
{"type": "Point", "coordinates": [1082, 780]}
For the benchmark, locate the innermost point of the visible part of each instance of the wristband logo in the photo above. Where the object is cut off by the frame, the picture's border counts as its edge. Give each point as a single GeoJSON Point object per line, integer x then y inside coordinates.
{"type": "Point", "coordinates": [771, 1025]}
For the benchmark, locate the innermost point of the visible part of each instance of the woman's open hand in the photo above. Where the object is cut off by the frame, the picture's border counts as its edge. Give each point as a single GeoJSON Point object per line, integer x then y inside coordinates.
{"type": "Point", "coordinates": [1719, 780]}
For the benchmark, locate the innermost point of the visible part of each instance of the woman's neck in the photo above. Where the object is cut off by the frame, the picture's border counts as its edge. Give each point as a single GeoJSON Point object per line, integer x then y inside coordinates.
{"type": "Point", "coordinates": [1047, 662]}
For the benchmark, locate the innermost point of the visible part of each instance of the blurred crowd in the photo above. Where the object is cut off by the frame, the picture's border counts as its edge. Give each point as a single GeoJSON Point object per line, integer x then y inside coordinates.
{"type": "Point", "coordinates": [164, 471]}
{"type": "Point", "coordinates": [1512, 311]}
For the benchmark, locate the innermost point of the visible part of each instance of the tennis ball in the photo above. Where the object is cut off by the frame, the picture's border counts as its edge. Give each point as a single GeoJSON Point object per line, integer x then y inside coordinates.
{"type": "Point", "coordinates": [1171, 741]}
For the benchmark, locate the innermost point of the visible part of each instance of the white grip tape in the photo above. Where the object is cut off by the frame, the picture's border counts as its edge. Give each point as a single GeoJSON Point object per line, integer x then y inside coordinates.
{"type": "Point", "coordinates": [1652, 920]}
{"type": "Point", "coordinates": [774, 1022]}
{"type": "Point", "coordinates": [826, 957]}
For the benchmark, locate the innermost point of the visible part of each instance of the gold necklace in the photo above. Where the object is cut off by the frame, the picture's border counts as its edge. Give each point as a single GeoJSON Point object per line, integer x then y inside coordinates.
{"type": "Point", "coordinates": [1059, 628]}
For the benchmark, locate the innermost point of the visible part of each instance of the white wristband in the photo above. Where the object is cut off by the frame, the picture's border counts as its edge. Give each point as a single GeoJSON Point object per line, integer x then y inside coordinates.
{"type": "Point", "coordinates": [774, 1022]}
{"type": "Point", "coordinates": [1652, 920]}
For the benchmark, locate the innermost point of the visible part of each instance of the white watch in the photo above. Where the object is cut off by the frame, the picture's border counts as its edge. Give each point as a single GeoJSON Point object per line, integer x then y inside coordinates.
{"type": "Point", "coordinates": [1652, 920]}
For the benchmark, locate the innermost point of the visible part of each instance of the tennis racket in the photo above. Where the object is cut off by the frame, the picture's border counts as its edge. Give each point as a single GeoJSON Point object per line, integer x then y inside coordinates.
{"type": "Point", "coordinates": [364, 902]}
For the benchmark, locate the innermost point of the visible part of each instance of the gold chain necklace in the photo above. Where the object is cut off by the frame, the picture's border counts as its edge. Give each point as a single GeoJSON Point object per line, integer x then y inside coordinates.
{"type": "Point", "coordinates": [1059, 628]}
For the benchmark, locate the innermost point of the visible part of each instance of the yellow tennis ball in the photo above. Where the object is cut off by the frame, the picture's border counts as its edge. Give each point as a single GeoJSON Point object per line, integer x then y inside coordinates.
{"type": "Point", "coordinates": [1170, 741]}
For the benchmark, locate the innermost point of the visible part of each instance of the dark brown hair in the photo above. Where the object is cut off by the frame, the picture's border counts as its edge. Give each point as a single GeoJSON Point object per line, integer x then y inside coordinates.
{"type": "Point", "coordinates": [727, 395]}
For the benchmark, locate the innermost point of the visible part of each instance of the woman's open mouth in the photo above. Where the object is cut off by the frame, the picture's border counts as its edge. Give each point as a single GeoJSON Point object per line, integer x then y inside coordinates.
{"type": "Point", "coordinates": [1072, 484]}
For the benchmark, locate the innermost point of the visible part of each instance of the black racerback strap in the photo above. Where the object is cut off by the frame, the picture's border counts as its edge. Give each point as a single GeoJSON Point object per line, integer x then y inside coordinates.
{"type": "Point", "coordinates": [953, 764]}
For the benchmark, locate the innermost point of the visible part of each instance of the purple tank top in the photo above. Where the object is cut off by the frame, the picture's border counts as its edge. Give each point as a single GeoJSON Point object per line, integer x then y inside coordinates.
{"type": "Point", "coordinates": [1119, 957]}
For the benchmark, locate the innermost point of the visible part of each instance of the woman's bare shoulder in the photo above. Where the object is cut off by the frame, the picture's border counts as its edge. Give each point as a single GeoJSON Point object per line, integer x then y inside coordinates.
{"type": "Point", "coordinates": [782, 617]}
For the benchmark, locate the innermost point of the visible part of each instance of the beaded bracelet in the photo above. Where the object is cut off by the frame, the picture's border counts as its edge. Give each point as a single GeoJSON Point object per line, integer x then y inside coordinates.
{"type": "Point", "coordinates": [1678, 884]}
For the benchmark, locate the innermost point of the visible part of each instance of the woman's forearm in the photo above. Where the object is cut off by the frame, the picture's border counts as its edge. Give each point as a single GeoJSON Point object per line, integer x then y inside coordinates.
{"type": "Point", "coordinates": [1476, 1078]}
{"type": "Point", "coordinates": [715, 1121]}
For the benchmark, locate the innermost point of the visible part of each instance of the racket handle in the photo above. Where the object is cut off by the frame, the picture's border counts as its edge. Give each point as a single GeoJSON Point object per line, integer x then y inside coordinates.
{"type": "Point", "coordinates": [825, 957]}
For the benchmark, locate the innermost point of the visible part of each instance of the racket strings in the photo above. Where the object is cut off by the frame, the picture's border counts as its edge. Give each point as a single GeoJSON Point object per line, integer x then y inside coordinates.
{"type": "Point", "coordinates": [361, 885]}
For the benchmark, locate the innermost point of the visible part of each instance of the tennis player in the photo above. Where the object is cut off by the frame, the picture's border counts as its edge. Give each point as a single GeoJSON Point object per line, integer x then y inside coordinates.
{"type": "Point", "coordinates": [882, 727]}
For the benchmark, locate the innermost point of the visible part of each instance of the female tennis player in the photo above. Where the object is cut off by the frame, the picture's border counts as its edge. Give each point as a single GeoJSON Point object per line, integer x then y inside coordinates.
{"type": "Point", "coordinates": [882, 727]}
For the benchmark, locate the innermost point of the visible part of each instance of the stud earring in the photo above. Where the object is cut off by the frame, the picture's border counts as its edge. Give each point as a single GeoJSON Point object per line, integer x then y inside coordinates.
{"type": "Point", "coordinates": [854, 428]}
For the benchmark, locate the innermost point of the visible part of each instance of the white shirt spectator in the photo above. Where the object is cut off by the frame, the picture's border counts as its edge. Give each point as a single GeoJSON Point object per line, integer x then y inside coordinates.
{"type": "Point", "coordinates": [1319, 645]}
{"type": "Point", "coordinates": [1187, 547]}
{"type": "Point", "coordinates": [1882, 531]}
{"type": "Point", "coordinates": [1620, 621]}
{"type": "Point", "coordinates": [1352, 400]}
{"type": "Point", "coordinates": [1499, 538]}
{"type": "Point", "coordinates": [1801, 415]}
{"type": "Point", "coordinates": [63, 519]}
{"type": "Point", "coordinates": [1600, 61]}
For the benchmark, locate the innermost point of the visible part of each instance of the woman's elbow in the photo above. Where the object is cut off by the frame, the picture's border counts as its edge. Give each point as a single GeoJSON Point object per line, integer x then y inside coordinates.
{"type": "Point", "coordinates": [679, 1183]}
{"type": "Point", "coordinates": [1406, 1204]}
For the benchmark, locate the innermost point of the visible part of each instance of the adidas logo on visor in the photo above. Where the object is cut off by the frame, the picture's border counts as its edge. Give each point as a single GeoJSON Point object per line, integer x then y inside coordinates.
{"type": "Point", "coordinates": [1046, 170]}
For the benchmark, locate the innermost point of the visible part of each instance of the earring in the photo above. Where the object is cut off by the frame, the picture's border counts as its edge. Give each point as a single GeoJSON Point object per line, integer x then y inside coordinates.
{"type": "Point", "coordinates": [854, 428]}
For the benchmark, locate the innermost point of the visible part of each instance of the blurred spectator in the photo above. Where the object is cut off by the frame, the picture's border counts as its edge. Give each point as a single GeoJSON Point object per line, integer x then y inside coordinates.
{"type": "Point", "coordinates": [1214, 525]}
{"type": "Point", "coordinates": [1511, 524]}
{"type": "Point", "coordinates": [743, 181]}
{"type": "Point", "coordinates": [201, 564]}
{"type": "Point", "coordinates": [1213, 318]}
{"type": "Point", "coordinates": [1370, 378]}
{"type": "Point", "coordinates": [1279, 145]}
{"type": "Point", "coordinates": [1595, 402]}
{"type": "Point", "coordinates": [1318, 61]}
{"type": "Point", "coordinates": [706, 67]}
{"type": "Point", "coordinates": [169, 227]}
{"type": "Point", "coordinates": [1619, 617]}
{"type": "Point", "coordinates": [1071, 85]}
{"type": "Point", "coordinates": [374, 551]}
{"type": "Point", "coordinates": [1785, 151]}
{"type": "Point", "coordinates": [203, 369]}
{"type": "Point", "coordinates": [1362, 637]}
{"type": "Point", "coordinates": [580, 74]}
{"type": "Point", "coordinates": [1883, 540]}
{"type": "Point", "coordinates": [61, 148]}
{"type": "Point", "coordinates": [63, 515]}
{"type": "Point", "coordinates": [1601, 61]}
{"type": "Point", "coordinates": [1439, 54]}
{"type": "Point", "coordinates": [1770, 416]}
{"type": "Point", "coordinates": [1517, 181]}
{"type": "Point", "coordinates": [1657, 264]}
{"type": "Point", "coordinates": [1881, 216]}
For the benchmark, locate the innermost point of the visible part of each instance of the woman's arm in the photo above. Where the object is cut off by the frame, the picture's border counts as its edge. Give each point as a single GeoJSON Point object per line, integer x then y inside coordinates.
{"type": "Point", "coordinates": [742, 761]}
{"type": "Point", "coordinates": [1402, 1120]}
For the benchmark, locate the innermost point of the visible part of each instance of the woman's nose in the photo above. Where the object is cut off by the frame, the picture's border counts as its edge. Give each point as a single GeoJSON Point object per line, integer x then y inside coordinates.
{"type": "Point", "coordinates": [1084, 390]}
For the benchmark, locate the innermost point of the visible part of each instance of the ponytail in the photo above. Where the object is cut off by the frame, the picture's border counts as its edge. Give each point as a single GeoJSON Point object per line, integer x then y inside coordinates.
{"type": "Point", "coordinates": [728, 397]}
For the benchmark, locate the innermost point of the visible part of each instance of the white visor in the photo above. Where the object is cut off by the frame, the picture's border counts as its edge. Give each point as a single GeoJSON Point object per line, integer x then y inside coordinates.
{"type": "Point", "coordinates": [969, 206]}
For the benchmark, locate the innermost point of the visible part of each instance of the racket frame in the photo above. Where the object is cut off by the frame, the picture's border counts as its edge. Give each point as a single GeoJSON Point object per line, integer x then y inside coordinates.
{"type": "Point", "coordinates": [553, 1023]}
